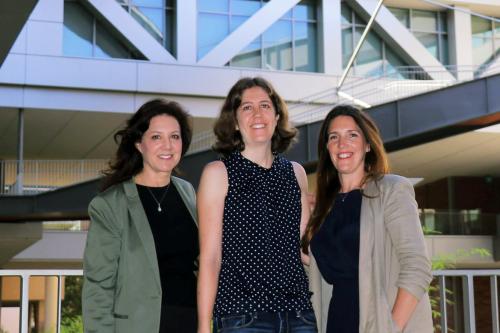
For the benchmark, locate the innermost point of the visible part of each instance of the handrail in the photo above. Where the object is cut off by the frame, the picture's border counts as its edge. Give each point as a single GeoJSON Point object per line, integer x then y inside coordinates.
{"type": "Point", "coordinates": [466, 275]}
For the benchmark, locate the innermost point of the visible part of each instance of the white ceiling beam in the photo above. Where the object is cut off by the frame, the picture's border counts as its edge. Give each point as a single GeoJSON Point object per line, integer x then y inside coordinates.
{"type": "Point", "coordinates": [247, 32]}
{"type": "Point", "coordinates": [401, 37]}
{"type": "Point", "coordinates": [132, 31]}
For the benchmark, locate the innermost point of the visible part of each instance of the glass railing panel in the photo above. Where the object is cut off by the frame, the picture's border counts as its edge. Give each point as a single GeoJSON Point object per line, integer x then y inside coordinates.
{"type": "Point", "coordinates": [465, 222]}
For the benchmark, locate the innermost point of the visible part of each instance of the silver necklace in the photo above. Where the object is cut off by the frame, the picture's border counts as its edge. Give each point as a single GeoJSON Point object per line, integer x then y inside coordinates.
{"type": "Point", "coordinates": [343, 196]}
{"type": "Point", "coordinates": [162, 197]}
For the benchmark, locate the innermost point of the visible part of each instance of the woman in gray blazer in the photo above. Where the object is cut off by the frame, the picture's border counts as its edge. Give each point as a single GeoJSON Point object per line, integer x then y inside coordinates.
{"type": "Point", "coordinates": [365, 235]}
{"type": "Point", "coordinates": [142, 246]}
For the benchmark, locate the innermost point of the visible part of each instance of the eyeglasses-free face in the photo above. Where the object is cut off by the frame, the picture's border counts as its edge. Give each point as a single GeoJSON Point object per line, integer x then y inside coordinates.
{"type": "Point", "coordinates": [256, 117]}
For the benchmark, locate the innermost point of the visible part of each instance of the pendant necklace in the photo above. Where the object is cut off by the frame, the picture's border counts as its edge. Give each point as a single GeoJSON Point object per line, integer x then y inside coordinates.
{"type": "Point", "coordinates": [343, 196]}
{"type": "Point", "coordinates": [162, 197]}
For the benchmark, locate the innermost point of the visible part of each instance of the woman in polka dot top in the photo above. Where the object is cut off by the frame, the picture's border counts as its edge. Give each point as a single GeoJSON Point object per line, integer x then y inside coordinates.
{"type": "Point", "coordinates": [252, 210]}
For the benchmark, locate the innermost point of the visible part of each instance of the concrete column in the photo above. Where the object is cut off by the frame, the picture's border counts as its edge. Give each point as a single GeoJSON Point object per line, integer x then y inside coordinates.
{"type": "Point", "coordinates": [51, 304]}
{"type": "Point", "coordinates": [186, 31]}
{"type": "Point", "coordinates": [330, 37]}
{"type": "Point", "coordinates": [460, 42]}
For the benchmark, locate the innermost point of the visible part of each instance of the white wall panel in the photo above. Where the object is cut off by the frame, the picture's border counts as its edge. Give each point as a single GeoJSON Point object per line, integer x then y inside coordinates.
{"type": "Point", "coordinates": [48, 10]}
{"type": "Point", "coordinates": [13, 69]}
{"type": "Point", "coordinates": [81, 73]}
{"type": "Point", "coordinates": [44, 38]}
{"type": "Point", "coordinates": [20, 43]}
{"type": "Point", "coordinates": [11, 96]}
{"type": "Point", "coordinates": [191, 80]}
{"type": "Point", "coordinates": [78, 100]}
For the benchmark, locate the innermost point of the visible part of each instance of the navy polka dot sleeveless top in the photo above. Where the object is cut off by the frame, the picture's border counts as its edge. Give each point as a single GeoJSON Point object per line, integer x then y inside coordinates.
{"type": "Point", "coordinates": [261, 269]}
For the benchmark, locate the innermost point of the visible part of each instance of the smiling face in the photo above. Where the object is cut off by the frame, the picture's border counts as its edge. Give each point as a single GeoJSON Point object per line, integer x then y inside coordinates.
{"type": "Point", "coordinates": [347, 147]}
{"type": "Point", "coordinates": [256, 117]}
{"type": "Point", "coordinates": [161, 145]}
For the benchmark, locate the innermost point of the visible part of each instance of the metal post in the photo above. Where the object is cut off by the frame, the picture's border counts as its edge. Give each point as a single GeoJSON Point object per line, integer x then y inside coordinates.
{"type": "Point", "coordinates": [494, 303]}
{"type": "Point", "coordinates": [25, 301]}
{"type": "Point", "coordinates": [442, 303]}
{"type": "Point", "coordinates": [469, 310]}
{"type": "Point", "coordinates": [59, 299]}
{"type": "Point", "coordinates": [358, 47]}
{"type": "Point", "coordinates": [20, 153]}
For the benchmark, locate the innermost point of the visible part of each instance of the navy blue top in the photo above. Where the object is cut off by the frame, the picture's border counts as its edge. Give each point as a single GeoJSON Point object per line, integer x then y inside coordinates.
{"type": "Point", "coordinates": [261, 268]}
{"type": "Point", "coordinates": [336, 249]}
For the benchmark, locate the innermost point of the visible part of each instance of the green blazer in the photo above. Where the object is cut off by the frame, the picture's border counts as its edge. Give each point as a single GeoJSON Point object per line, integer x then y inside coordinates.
{"type": "Point", "coordinates": [122, 288]}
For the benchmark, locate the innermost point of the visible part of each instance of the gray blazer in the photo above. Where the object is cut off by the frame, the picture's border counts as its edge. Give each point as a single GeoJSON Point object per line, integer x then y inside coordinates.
{"type": "Point", "coordinates": [392, 255]}
{"type": "Point", "coordinates": [122, 288]}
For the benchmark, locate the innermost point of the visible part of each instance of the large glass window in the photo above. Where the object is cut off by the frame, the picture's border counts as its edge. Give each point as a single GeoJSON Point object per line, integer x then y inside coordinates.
{"type": "Point", "coordinates": [289, 44]}
{"type": "Point", "coordinates": [485, 40]}
{"type": "Point", "coordinates": [375, 58]}
{"type": "Point", "coordinates": [157, 17]}
{"type": "Point", "coordinates": [85, 36]}
{"type": "Point", "coordinates": [429, 27]}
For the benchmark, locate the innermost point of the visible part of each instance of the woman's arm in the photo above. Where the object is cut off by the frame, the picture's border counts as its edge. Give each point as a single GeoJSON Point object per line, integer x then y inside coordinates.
{"type": "Point", "coordinates": [100, 266]}
{"type": "Point", "coordinates": [404, 229]}
{"type": "Point", "coordinates": [211, 196]}
{"type": "Point", "coordinates": [301, 176]}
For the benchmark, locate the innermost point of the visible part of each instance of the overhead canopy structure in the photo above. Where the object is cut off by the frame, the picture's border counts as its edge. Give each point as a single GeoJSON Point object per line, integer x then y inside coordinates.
{"type": "Point", "coordinates": [404, 123]}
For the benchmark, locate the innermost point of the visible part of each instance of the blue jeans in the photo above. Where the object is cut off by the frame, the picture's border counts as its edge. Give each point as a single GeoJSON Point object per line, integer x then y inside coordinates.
{"type": "Point", "coordinates": [268, 322]}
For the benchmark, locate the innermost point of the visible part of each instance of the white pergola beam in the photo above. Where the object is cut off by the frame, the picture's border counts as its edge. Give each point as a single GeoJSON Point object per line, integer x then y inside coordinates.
{"type": "Point", "coordinates": [132, 31]}
{"type": "Point", "coordinates": [247, 32]}
{"type": "Point", "coordinates": [402, 37]}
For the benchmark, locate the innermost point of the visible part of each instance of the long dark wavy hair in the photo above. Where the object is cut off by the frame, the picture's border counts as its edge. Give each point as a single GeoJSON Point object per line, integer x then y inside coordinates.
{"type": "Point", "coordinates": [128, 160]}
{"type": "Point", "coordinates": [229, 138]}
{"type": "Point", "coordinates": [327, 178]}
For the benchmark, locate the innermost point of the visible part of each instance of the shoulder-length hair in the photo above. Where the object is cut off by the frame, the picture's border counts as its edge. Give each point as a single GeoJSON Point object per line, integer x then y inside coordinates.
{"type": "Point", "coordinates": [128, 160]}
{"type": "Point", "coordinates": [228, 138]}
{"type": "Point", "coordinates": [327, 178]}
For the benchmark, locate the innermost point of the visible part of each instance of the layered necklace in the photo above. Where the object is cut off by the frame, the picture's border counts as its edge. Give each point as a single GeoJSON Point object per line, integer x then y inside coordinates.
{"type": "Point", "coordinates": [162, 196]}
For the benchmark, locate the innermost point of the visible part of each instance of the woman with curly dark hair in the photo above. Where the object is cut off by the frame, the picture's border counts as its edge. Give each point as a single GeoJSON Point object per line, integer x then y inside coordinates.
{"type": "Point", "coordinates": [365, 235]}
{"type": "Point", "coordinates": [142, 248]}
{"type": "Point", "coordinates": [252, 207]}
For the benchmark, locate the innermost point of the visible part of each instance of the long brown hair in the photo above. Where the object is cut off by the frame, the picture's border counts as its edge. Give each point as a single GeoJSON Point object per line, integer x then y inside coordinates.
{"type": "Point", "coordinates": [327, 178]}
{"type": "Point", "coordinates": [229, 139]}
{"type": "Point", "coordinates": [128, 160]}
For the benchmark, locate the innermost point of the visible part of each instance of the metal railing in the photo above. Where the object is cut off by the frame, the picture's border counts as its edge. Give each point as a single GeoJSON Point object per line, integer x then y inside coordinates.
{"type": "Point", "coordinates": [469, 305]}
{"type": "Point", "coordinates": [390, 85]}
{"type": "Point", "coordinates": [451, 305]}
{"type": "Point", "coordinates": [44, 175]}
{"type": "Point", "coordinates": [28, 290]}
